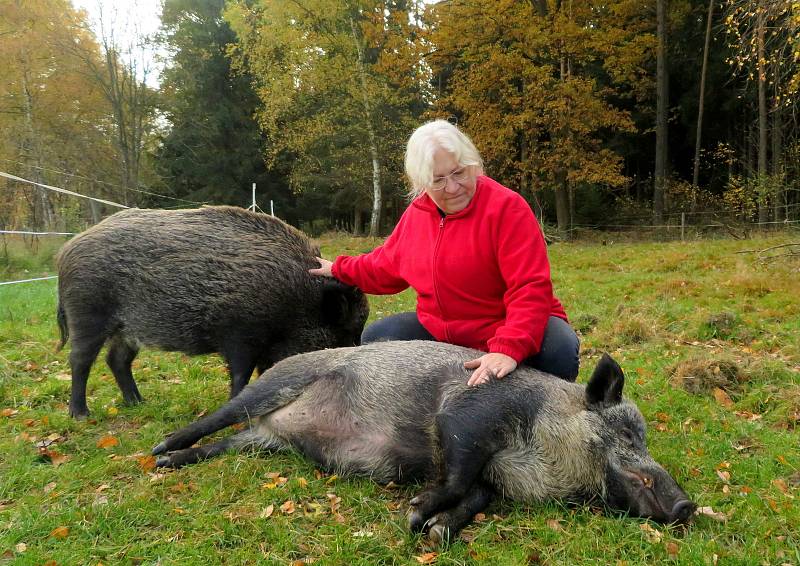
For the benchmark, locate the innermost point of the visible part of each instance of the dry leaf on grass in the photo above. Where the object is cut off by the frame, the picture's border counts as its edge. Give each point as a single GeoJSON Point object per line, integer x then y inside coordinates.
{"type": "Point", "coordinates": [709, 512]}
{"type": "Point", "coordinates": [672, 550]}
{"type": "Point", "coordinates": [427, 558]}
{"type": "Point", "coordinates": [21, 547]}
{"type": "Point", "coordinates": [722, 397]}
{"type": "Point", "coordinates": [107, 442]}
{"type": "Point", "coordinates": [288, 507]}
{"type": "Point", "coordinates": [60, 532]}
{"type": "Point", "coordinates": [55, 458]}
{"type": "Point", "coordinates": [652, 535]}
{"type": "Point", "coordinates": [146, 463]}
{"type": "Point", "coordinates": [267, 512]}
{"type": "Point", "coordinates": [555, 524]}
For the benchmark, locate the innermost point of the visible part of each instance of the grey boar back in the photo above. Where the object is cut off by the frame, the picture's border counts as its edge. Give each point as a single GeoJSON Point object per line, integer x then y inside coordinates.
{"type": "Point", "coordinates": [402, 411]}
{"type": "Point", "coordinates": [214, 279]}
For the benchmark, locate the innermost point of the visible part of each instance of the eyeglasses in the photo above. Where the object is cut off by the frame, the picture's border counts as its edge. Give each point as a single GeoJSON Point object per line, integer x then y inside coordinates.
{"type": "Point", "coordinates": [459, 176]}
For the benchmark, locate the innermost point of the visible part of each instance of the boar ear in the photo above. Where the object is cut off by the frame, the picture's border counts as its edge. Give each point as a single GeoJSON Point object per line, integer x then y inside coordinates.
{"type": "Point", "coordinates": [605, 385]}
{"type": "Point", "coordinates": [336, 301]}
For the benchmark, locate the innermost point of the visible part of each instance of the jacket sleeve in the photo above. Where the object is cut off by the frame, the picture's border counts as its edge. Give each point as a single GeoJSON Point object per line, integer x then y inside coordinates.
{"type": "Point", "coordinates": [528, 300]}
{"type": "Point", "coordinates": [374, 272]}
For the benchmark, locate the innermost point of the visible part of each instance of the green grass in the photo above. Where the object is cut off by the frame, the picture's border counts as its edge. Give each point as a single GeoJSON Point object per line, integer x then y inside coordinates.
{"type": "Point", "coordinates": [657, 307]}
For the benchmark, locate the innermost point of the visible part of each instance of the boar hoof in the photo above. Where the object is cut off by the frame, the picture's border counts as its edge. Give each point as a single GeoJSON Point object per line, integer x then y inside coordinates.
{"type": "Point", "coordinates": [416, 522]}
{"type": "Point", "coordinates": [79, 413]}
{"type": "Point", "coordinates": [439, 533]}
{"type": "Point", "coordinates": [160, 449]}
{"type": "Point", "coordinates": [164, 462]}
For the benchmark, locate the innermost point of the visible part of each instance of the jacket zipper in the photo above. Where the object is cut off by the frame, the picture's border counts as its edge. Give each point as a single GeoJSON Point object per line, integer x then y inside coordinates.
{"type": "Point", "coordinates": [435, 286]}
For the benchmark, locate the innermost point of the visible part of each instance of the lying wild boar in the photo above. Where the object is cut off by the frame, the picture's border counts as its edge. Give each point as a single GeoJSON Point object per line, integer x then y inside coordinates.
{"type": "Point", "coordinates": [214, 279]}
{"type": "Point", "coordinates": [402, 411]}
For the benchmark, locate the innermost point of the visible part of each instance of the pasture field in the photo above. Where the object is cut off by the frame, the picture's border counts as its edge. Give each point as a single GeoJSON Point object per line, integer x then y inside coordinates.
{"type": "Point", "coordinates": [709, 339]}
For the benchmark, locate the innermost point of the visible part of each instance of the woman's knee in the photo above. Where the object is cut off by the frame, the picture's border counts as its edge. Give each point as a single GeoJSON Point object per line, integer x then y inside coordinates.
{"type": "Point", "coordinates": [560, 351]}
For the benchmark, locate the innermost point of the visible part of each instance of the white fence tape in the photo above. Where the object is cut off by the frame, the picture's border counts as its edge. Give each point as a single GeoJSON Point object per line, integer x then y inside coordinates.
{"type": "Point", "coordinates": [60, 190]}
{"type": "Point", "coordinates": [28, 280]}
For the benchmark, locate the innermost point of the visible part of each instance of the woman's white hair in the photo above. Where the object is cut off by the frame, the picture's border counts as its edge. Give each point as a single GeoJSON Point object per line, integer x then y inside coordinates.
{"type": "Point", "coordinates": [423, 143]}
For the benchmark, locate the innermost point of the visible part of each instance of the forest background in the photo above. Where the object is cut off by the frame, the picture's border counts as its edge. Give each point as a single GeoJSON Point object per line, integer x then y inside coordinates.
{"type": "Point", "coordinates": [600, 113]}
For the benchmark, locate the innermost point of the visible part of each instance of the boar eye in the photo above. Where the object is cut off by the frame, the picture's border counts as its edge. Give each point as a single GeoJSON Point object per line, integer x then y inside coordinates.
{"type": "Point", "coordinates": [628, 436]}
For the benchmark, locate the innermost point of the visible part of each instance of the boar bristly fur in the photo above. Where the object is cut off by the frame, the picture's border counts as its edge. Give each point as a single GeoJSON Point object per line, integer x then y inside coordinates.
{"type": "Point", "coordinates": [214, 279]}
{"type": "Point", "coordinates": [400, 411]}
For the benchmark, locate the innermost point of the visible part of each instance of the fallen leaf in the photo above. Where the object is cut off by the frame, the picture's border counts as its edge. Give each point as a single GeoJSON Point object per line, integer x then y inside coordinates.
{"type": "Point", "coordinates": [101, 500]}
{"type": "Point", "coordinates": [288, 507]}
{"type": "Point", "coordinates": [555, 524]}
{"type": "Point", "coordinates": [781, 485]}
{"type": "Point", "coordinates": [146, 463]}
{"type": "Point", "coordinates": [302, 482]}
{"type": "Point", "coordinates": [312, 509]}
{"type": "Point", "coordinates": [479, 517]}
{"type": "Point", "coordinates": [60, 532]}
{"type": "Point", "coordinates": [427, 558]}
{"type": "Point", "coordinates": [267, 512]}
{"type": "Point", "coordinates": [56, 458]}
{"type": "Point", "coordinates": [709, 512]}
{"type": "Point", "coordinates": [49, 487]}
{"type": "Point", "coordinates": [366, 534]}
{"type": "Point", "coordinates": [722, 397]}
{"type": "Point", "coordinates": [107, 442]}
{"type": "Point", "coordinates": [724, 475]}
{"type": "Point", "coordinates": [21, 547]}
{"type": "Point", "coordinates": [112, 411]}
{"type": "Point", "coordinates": [331, 479]}
{"type": "Point", "coordinates": [63, 376]}
{"type": "Point", "coordinates": [672, 550]}
{"type": "Point", "coordinates": [652, 535]}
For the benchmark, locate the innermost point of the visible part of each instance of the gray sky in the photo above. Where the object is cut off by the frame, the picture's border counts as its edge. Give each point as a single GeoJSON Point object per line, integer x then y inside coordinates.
{"type": "Point", "coordinates": [127, 20]}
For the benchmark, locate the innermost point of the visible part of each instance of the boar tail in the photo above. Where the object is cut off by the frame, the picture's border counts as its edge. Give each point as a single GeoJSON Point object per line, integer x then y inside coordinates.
{"type": "Point", "coordinates": [61, 317]}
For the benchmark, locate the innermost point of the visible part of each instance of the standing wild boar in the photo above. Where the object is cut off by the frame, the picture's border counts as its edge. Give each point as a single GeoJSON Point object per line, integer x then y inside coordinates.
{"type": "Point", "coordinates": [214, 279]}
{"type": "Point", "coordinates": [402, 411]}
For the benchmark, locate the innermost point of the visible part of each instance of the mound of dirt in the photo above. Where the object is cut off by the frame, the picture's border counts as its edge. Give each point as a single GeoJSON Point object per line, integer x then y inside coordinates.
{"type": "Point", "coordinates": [705, 375]}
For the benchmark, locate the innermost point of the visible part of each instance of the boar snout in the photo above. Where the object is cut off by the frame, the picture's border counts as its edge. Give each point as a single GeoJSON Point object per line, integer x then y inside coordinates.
{"type": "Point", "coordinates": [650, 493]}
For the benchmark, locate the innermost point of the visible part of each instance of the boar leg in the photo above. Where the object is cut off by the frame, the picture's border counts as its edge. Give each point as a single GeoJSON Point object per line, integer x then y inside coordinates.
{"type": "Point", "coordinates": [237, 442]}
{"type": "Point", "coordinates": [463, 456]}
{"type": "Point", "coordinates": [273, 391]}
{"type": "Point", "coordinates": [119, 358]}
{"type": "Point", "coordinates": [81, 357]}
{"type": "Point", "coordinates": [241, 363]}
{"type": "Point", "coordinates": [446, 525]}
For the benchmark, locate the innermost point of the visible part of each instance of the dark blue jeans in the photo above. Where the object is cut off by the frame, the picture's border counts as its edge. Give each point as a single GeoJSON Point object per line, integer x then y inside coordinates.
{"type": "Point", "coordinates": [558, 355]}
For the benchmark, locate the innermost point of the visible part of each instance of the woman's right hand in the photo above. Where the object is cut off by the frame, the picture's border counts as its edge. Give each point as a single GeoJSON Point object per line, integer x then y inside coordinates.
{"type": "Point", "coordinates": [324, 269]}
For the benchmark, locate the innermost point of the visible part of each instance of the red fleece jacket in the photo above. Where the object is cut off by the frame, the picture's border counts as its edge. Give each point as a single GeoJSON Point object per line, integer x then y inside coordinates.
{"type": "Point", "coordinates": [481, 275]}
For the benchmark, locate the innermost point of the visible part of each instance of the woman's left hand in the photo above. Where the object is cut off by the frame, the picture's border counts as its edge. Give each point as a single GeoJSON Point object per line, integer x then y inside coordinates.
{"type": "Point", "coordinates": [488, 366]}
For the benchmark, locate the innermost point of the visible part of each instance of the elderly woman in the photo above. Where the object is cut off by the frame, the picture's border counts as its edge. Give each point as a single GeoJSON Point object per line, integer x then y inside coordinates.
{"type": "Point", "coordinates": [473, 251]}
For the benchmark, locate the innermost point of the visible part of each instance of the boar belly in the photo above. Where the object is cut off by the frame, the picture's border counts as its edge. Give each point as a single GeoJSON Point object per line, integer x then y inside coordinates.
{"type": "Point", "coordinates": [335, 439]}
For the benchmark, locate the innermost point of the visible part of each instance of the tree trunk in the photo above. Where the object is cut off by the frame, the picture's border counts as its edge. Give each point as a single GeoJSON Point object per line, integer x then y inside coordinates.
{"type": "Point", "coordinates": [41, 203]}
{"type": "Point", "coordinates": [763, 210]}
{"type": "Point", "coordinates": [562, 204]}
{"type": "Point", "coordinates": [662, 93]}
{"type": "Point", "coordinates": [779, 200]}
{"type": "Point", "coordinates": [377, 193]}
{"type": "Point", "coordinates": [701, 100]}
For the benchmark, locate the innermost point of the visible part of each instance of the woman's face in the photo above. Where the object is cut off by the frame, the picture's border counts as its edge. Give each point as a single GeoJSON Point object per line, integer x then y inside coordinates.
{"type": "Point", "coordinates": [453, 185]}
